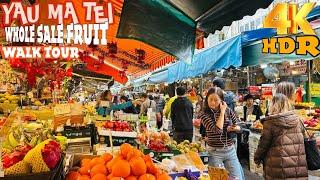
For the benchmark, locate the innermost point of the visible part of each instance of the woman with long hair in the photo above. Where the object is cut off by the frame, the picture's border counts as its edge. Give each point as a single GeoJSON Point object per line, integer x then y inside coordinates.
{"type": "Point", "coordinates": [281, 146]}
{"type": "Point", "coordinates": [219, 122]}
{"type": "Point", "coordinates": [287, 89]}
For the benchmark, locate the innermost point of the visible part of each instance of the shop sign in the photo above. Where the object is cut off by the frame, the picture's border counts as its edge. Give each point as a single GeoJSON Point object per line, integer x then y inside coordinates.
{"type": "Point", "coordinates": [287, 19]}
{"type": "Point", "coordinates": [315, 89]}
{"type": "Point", "coordinates": [254, 90]}
{"type": "Point", "coordinates": [22, 25]}
{"type": "Point", "coordinates": [60, 109]}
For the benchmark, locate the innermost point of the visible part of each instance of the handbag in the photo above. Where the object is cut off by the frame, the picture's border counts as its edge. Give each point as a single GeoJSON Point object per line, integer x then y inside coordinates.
{"type": "Point", "coordinates": [312, 151]}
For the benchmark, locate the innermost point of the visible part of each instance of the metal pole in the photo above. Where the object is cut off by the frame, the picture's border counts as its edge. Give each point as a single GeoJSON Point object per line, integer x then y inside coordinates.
{"type": "Point", "coordinates": [201, 84]}
{"type": "Point", "coordinates": [248, 76]}
{"type": "Point", "coordinates": [309, 80]}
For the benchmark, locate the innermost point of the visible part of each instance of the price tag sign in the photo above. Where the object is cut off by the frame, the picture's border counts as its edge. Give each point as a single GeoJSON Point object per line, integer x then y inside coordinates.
{"type": "Point", "coordinates": [60, 109]}
{"type": "Point", "coordinates": [252, 117]}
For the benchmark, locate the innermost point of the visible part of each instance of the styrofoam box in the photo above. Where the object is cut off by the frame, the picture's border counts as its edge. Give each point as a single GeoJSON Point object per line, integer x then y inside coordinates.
{"type": "Point", "coordinates": [103, 132]}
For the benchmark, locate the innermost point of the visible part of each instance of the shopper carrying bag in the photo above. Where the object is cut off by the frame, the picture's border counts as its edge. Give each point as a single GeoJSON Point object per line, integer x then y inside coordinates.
{"type": "Point", "coordinates": [312, 151]}
{"type": "Point", "coordinates": [281, 148]}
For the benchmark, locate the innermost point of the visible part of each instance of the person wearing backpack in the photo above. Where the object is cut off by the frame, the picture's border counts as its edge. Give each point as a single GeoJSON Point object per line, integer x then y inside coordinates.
{"type": "Point", "coordinates": [147, 103]}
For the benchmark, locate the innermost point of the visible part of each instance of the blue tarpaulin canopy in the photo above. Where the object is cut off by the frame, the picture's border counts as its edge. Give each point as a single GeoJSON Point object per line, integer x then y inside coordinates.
{"type": "Point", "coordinates": [159, 77]}
{"type": "Point", "coordinates": [223, 55]}
{"type": "Point", "coordinates": [258, 34]}
{"type": "Point", "coordinates": [314, 14]}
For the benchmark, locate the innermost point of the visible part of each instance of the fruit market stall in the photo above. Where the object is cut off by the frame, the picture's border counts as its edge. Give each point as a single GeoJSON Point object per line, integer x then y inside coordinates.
{"type": "Point", "coordinates": [29, 150]}
{"type": "Point", "coordinates": [130, 163]}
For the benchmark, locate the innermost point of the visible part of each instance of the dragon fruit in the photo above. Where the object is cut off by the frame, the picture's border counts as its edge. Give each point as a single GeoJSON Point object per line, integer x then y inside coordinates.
{"type": "Point", "coordinates": [16, 156]}
{"type": "Point", "coordinates": [51, 154]}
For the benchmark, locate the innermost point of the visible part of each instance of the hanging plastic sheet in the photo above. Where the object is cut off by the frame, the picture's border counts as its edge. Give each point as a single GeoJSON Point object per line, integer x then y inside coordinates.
{"type": "Point", "coordinates": [314, 14]}
{"type": "Point", "coordinates": [159, 24]}
{"type": "Point", "coordinates": [140, 81]}
{"type": "Point", "coordinates": [159, 77]}
{"type": "Point", "coordinates": [223, 55]}
{"type": "Point", "coordinates": [258, 34]}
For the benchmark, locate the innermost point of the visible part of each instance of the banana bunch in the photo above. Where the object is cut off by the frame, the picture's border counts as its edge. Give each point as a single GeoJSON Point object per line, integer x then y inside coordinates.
{"type": "Point", "coordinates": [10, 142]}
{"type": "Point", "coordinates": [38, 137]}
{"type": "Point", "coordinates": [90, 110]}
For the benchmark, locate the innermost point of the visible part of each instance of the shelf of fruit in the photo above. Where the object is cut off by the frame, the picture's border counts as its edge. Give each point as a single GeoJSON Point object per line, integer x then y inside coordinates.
{"type": "Point", "coordinates": [117, 128]}
{"type": "Point", "coordinates": [159, 145]}
{"type": "Point", "coordinates": [305, 105]}
{"type": "Point", "coordinates": [28, 147]}
{"type": "Point", "coordinates": [312, 120]}
{"type": "Point", "coordinates": [129, 163]}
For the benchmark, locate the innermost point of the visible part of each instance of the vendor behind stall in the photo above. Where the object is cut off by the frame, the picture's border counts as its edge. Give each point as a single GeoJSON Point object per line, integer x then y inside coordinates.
{"type": "Point", "coordinates": [105, 105]}
{"type": "Point", "coordinates": [250, 109]}
{"type": "Point", "coordinates": [130, 109]}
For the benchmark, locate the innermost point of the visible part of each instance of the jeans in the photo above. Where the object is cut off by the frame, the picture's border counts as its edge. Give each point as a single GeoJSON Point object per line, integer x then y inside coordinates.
{"type": "Point", "coordinates": [228, 159]}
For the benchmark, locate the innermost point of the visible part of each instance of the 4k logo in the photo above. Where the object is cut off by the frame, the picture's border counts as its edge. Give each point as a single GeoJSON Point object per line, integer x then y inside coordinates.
{"type": "Point", "coordinates": [286, 18]}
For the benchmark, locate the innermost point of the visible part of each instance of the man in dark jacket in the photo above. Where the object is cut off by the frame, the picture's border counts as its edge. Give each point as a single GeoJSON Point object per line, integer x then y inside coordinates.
{"type": "Point", "coordinates": [182, 116]}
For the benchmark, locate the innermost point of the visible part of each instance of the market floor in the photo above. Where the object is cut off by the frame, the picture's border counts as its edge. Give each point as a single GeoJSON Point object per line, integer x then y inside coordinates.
{"type": "Point", "coordinates": [249, 175]}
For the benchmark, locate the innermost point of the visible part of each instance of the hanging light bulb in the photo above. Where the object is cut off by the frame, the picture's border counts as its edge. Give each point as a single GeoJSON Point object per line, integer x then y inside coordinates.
{"type": "Point", "coordinates": [263, 66]}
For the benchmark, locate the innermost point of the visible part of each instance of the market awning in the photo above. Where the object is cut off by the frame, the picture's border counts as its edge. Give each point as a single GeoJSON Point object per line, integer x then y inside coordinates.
{"type": "Point", "coordinates": [91, 75]}
{"type": "Point", "coordinates": [170, 25]}
{"type": "Point", "coordinates": [223, 55]}
{"type": "Point", "coordinates": [104, 69]}
{"type": "Point", "coordinates": [159, 77]}
{"type": "Point", "coordinates": [126, 58]}
{"type": "Point", "coordinates": [258, 34]}
{"type": "Point", "coordinates": [140, 81]}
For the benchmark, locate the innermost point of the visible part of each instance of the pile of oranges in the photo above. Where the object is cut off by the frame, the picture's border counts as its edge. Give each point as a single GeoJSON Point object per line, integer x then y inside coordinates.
{"type": "Point", "coordinates": [128, 164]}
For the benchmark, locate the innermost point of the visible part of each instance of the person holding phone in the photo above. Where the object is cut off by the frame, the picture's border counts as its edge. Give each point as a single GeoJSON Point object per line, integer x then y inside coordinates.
{"type": "Point", "coordinates": [219, 122]}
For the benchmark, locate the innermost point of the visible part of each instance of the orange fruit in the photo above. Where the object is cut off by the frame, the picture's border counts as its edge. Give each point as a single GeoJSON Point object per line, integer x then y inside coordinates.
{"type": "Point", "coordinates": [147, 158]}
{"type": "Point", "coordinates": [109, 177]}
{"type": "Point", "coordinates": [84, 177]}
{"type": "Point", "coordinates": [107, 157]}
{"type": "Point", "coordinates": [98, 169]}
{"type": "Point", "coordinates": [151, 168]}
{"type": "Point", "coordinates": [117, 178]}
{"type": "Point", "coordinates": [147, 177]}
{"type": "Point", "coordinates": [85, 161]}
{"type": "Point", "coordinates": [111, 163]}
{"type": "Point", "coordinates": [131, 178]}
{"type": "Point", "coordinates": [125, 149]}
{"type": "Point", "coordinates": [138, 166]}
{"type": "Point", "coordinates": [121, 168]}
{"type": "Point", "coordinates": [72, 175]}
{"type": "Point", "coordinates": [85, 170]}
{"type": "Point", "coordinates": [164, 176]}
{"type": "Point", "coordinates": [99, 177]}
{"type": "Point", "coordinates": [96, 161]}
{"type": "Point", "coordinates": [134, 154]}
